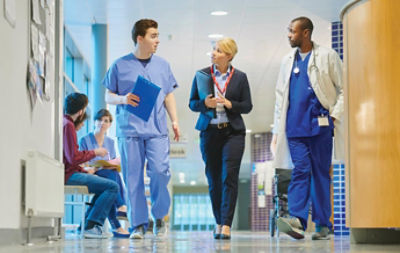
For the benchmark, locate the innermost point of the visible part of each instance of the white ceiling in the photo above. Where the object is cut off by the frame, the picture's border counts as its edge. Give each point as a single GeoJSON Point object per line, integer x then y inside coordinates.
{"type": "Point", "coordinates": [258, 26]}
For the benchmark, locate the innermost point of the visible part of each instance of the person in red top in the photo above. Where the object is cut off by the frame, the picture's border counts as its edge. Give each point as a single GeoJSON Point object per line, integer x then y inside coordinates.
{"type": "Point", "coordinates": [105, 191]}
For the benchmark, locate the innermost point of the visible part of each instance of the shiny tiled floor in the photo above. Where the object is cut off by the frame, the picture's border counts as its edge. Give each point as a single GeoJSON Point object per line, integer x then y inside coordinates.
{"type": "Point", "coordinates": [203, 242]}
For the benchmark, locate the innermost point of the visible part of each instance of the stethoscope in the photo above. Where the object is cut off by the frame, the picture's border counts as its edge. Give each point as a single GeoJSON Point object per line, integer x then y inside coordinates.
{"type": "Point", "coordinates": [296, 69]}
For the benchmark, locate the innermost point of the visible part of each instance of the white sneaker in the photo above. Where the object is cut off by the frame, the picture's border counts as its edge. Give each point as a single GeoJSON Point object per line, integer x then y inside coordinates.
{"type": "Point", "coordinates": [159, 228]}
{"type": "Point", "coordinates": [95, 232]}
{"type": "Point", "coordinates": [291, 226]}
{"type": "Point", "coordinates": [138, 233]}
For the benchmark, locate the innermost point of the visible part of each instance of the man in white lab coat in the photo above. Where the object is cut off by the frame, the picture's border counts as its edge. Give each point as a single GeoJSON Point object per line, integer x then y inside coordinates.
{"type": "Point", "coordinates": [308, 110]}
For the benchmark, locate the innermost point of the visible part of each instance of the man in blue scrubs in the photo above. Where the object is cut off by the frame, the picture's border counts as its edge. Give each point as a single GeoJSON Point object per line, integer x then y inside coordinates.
{"type": "Point", "coordinates": [140, 140]}
{"type": "Point", "coordinates": [309, 100]}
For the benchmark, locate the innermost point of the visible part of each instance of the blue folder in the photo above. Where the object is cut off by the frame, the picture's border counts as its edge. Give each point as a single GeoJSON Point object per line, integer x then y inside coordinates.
{"type": "Point", "coordinates": [148, 93]}
{"type": "Point", "coordinates": [204, 88]}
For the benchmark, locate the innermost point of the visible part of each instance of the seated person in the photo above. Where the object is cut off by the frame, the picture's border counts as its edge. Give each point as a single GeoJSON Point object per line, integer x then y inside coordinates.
{"type": "Point", "coordinates": [105, 191]}
{"type": "Point", "coordinates": [97, 139]}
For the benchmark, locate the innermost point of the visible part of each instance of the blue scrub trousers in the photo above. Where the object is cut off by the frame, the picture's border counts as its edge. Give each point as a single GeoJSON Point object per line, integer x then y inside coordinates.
{"type": "Point", "coordinates": [105, 192]}
{"type": "Point", "coordinates": [114, 176]}
{"type": "Point", "coordinates": [134, 151]}
{"type": "Point", "coordinates": [312, 158]}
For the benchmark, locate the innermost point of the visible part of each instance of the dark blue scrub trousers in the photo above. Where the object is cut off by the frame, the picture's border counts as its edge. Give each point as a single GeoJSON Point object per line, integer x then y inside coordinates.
{"type": "Point", "coordinates": [222, 151]}
{"type": "Point", "coordinates": [312, 158]}
{"type": "Point", "coordinates": [120, 200]}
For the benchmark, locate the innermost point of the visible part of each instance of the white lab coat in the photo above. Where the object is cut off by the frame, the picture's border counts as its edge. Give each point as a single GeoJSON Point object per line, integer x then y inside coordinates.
{"type": "Point", "coordinates": [325, 74]}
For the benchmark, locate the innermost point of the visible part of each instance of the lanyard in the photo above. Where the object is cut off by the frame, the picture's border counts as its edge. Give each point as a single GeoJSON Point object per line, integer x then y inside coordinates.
{"type": "Point", "coordinates": [227, 80]}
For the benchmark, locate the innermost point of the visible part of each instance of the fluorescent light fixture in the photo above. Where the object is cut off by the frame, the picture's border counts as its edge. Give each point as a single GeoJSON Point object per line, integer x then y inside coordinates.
{"type": "Point", "coordinates": [219, 13]}
{"type": "Point", "coordinates": [192, 182]}
{"type": "Point", "coordinates": [215, 36]}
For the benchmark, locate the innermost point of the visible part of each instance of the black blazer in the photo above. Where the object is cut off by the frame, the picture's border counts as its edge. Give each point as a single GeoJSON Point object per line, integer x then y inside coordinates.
{"type": "Point", "coordinates": [238, 92]}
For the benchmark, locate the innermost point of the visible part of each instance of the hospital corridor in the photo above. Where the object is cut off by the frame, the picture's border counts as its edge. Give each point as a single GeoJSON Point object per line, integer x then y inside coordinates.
{"type": "Point", "coordinates": [199, 126]}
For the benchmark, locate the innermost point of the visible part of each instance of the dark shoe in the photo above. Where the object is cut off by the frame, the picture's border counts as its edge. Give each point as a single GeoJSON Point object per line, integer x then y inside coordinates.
{"type": "Point", "coordinates": [225, 237]}
{"type": "Point", "coordinates": [291, 226]}
{"type": "Point", "coordinates": [225, 228]}
{"type": "Point", "coordinates": [215, 234]}
{"type": "Point", "coordinates": [159, 228]}
{"type": "Point", "coordinates": [138, 233]}
{"type": "Point", "coordinates": [321, 233]}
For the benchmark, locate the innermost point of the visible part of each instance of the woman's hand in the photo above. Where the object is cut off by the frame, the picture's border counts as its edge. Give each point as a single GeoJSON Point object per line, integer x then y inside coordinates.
{"type": "Point", "coordinates": [222, 100]}
{"type": "Point", "coordinates": [210, 101]}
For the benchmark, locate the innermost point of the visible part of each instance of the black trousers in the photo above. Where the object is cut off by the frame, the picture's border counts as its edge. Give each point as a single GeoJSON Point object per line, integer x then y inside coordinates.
{"type": "Point", "coordinates": [222, 151]}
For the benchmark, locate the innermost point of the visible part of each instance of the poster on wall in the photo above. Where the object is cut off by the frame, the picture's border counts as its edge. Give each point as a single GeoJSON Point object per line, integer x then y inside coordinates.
{"type": "Point", "coordinates": [10, 12]}
{"type": "Point", "coordinates": [31, 83]}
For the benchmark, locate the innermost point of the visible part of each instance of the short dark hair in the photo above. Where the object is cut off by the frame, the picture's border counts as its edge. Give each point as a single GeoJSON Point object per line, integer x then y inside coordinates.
{"type": "Point", "coordinates": [79, 120]}
{"type": "Point", "coordinates": [75, 102]}
{"type": "Point", "coordinates": [141, 26]}
{"type": "Point", "coordinates": [305, 23]}
{"type": "Point", "coordinates": [103, 113]}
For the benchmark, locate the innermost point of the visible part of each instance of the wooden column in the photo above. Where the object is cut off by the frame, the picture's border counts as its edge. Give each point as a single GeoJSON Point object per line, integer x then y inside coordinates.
{"type": "Point", "coordinates": [372, 99]}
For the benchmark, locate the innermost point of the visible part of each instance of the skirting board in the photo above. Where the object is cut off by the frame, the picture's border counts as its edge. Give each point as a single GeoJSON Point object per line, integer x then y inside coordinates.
{"type": "Point", "coordinates": [374, 236]}
{"type": "Point", "coordinates": [19, 236]}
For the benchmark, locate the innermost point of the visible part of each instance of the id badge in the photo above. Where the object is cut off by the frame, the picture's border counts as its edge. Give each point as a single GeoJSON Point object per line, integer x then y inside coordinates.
{"type": "Point", "coordinates": [323, 121]}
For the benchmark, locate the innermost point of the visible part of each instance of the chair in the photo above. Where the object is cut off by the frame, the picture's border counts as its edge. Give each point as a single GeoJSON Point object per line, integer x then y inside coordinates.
{"type": "Point", "coordinates": [78, 191]}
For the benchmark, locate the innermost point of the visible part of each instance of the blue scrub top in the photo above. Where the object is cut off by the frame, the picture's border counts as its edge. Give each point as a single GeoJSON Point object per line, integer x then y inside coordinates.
{"type": "Point", "coordinates": [304, 106]}
{"type": "Point", "coordinates": [120, 79]}
{"type": "Point", "coordinates": [89, 142]}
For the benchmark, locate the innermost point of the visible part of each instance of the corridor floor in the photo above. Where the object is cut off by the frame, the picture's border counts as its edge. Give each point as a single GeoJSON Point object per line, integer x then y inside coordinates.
{"type": "Point", "coordinates": [203, 242]}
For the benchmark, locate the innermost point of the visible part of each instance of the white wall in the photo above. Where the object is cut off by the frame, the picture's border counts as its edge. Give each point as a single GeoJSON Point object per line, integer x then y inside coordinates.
{"type": "Point", "coordinates": [22, 128]}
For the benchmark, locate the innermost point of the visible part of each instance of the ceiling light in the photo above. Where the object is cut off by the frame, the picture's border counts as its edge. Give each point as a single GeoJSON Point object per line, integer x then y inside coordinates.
{"type": "Point", "coordinates": [219, 13]}
{"type": "Point", "coordinates": [248, 130]}
{"type": "Point", "coordinates": [192, 182]}
{"type": "Point", "coordinates": [215, 36]}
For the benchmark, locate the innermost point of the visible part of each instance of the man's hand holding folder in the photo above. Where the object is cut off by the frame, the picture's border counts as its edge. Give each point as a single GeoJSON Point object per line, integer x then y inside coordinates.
{"type": "Point", "coordinates": [143, 97]}
{"type": "Point", "coordinates": [132, 99]}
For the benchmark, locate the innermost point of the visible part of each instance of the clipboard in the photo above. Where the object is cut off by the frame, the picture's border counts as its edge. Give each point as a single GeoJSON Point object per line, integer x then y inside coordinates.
{"type": "Point", "coordinates": [148, 93]}
{"type": "Point", "coordinates": [204, 88]}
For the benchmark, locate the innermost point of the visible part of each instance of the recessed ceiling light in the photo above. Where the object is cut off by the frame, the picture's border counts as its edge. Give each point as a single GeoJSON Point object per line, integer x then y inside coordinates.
{"type": "Point", "coordinates": [215, 36]}
{"type": "Point", "coordinates": [219, 13]}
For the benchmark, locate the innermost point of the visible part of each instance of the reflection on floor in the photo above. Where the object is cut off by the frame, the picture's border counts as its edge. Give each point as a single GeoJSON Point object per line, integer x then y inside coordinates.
{"type": "Point", "coordinates": [203, 242]}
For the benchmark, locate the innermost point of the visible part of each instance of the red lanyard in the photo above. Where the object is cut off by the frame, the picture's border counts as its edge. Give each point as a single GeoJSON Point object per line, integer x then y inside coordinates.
{"type": "Point", "coordinates": [227, 80]}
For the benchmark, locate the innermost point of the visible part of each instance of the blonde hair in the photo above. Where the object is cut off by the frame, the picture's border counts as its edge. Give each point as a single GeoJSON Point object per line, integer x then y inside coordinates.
{"type": "Point", "coordinates": [228, 46]}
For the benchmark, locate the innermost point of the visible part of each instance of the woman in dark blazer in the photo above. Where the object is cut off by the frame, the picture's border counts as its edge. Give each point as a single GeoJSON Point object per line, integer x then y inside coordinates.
{"type": "Point", "coordinates": [221, 93]}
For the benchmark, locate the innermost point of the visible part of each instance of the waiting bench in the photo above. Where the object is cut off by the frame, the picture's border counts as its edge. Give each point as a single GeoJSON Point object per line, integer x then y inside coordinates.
{"type": "Point", "coordinates": [78, 191]}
